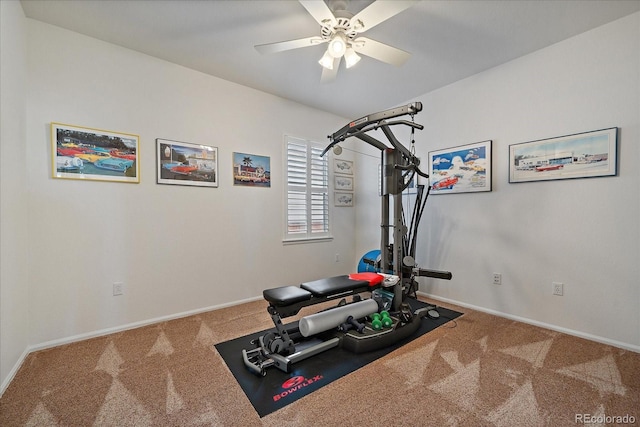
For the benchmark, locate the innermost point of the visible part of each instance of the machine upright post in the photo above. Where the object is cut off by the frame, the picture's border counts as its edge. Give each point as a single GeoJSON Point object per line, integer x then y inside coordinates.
{"type": "Point", "coordinates": [387, 187]}
{"type": "Point", "coordinates": [385, 262]}
{"type": "Point", "coordinates": [392, 184]}
{"type": "Point", "coordinates": [398, 231]}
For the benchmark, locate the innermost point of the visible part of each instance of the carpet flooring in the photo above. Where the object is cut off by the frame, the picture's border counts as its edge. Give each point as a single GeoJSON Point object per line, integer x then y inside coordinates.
{"type": "Point", "coordinates": [480, 370]}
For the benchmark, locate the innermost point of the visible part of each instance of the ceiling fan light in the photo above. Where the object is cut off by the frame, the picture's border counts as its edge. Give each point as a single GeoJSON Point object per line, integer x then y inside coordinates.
{"type": "Point", "coordinates": [326, 61]}
{"type": "Point", "coordinates": [351, 58]}
{"type": "Point", "coordinates": [337, 45]}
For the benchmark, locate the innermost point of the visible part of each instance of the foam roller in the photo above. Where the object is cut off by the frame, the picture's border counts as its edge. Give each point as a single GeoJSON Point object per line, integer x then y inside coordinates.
{"type": "Point", "coordinates": [325, 320]}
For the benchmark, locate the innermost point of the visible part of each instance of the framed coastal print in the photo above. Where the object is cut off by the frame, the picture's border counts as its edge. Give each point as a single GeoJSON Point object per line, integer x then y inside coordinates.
{"type": "Point", "coordinates": [84, 153]}
{"type": "Point", "coordinates": [183, 163]}
{"type": "Point", "coordinates": [582, 155]}
{"type": "Point", "coordinates": [462, 169]}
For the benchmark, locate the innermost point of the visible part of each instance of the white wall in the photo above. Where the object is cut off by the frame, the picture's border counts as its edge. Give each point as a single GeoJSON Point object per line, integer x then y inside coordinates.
{"type": "Point", "coordinates": [14, 322]}
{"type": "Point", "coordinates": [584, 233]}
{"type": "Point", "coordinates": [177, 249]}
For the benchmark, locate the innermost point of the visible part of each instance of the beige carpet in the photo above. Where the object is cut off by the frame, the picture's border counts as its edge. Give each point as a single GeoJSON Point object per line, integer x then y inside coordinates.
{"type": "Point", "coordinates": [481, 370]}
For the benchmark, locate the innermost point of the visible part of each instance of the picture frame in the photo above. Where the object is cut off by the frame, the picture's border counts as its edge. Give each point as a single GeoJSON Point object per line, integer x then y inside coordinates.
{"type": "Point", "coordinates": [343, 167]}
{"type": "Point", "coordinates": [462, 169]}
{"type": "Point", "coordinates": [581, 155]}
{"type": "Point", "coordinates": [342, 199]}
{"type": "Point", "coordinates": [184, 163]}
{"type": "Point", "coordinates": [343, 183]}
{"type": "Point", "coordinates": [84, 153]}
{"type": "Point", "coordinates": [251, 170]}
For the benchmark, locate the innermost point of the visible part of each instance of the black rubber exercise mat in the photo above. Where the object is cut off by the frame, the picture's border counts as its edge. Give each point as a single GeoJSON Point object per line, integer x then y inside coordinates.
{"type": "Point", "coordinates": [278, 389]}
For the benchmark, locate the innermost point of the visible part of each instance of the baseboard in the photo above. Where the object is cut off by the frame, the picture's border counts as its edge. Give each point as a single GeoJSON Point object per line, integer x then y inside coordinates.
{"type": "Point", "coordinates": [13, 371]}
{"type": "Point", "coordinates": [107, 331]}
{"type": "Point", "coordinates": [590, 337]}
{"type": "Point", "coordinates": [102, 332]}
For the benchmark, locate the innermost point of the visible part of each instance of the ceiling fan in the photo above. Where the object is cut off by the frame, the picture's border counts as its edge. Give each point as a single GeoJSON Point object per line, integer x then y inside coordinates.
{"type": "Point", "coordinates": [341, 30]}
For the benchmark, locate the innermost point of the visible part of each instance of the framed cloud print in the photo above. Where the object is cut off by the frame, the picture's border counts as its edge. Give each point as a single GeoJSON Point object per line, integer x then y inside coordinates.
{"type": "Point", "coordinates": [462, 169]}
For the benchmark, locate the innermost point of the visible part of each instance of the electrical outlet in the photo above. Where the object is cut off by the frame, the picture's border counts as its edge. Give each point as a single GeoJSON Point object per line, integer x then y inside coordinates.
{"type": "Point", "coordinates": [558, 288]}
{"type": "Point", "coordinates": [497, 279]}
{"type": "Point", "coordinates": [337, 257]}
{"type": "Point", "coordinates": [118, 288]}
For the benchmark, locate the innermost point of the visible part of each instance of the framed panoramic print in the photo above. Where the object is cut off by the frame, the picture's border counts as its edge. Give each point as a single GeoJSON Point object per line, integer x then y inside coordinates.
{"type": "Point", "coordinates": [251, 170]}
{"type": "Point", "coordinates": [582, 155]}
{"type": "Point", "coordinates": [183, 163]}
{"type": "Point", "coordinates": [463, 169]}
{"type": "Point", "coordinates": [95, 155]}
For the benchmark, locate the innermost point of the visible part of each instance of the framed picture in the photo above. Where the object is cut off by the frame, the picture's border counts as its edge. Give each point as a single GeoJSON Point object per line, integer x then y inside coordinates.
{"type": "Point", "coordinates": [582, 155]}
{"type": "Point", "coordinates": [182, 163]}
{"type": "Point", "coordinates": [344, 167]}
{"type": "Point", "coordinates": [343, 183]}
{"type": "Point", "coordinates": [92, 154]}
{"type": "Point", "coordinates": [251, 170]}
{"type": "Point", "coordinates": [342, 199]}
{"type": "Point", "coordinates": [462, 169]}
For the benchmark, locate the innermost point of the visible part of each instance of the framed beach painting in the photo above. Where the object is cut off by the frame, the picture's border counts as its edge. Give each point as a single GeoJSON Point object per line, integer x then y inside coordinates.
{"type": "Point", "coordinates": [462, 169]}
{"type": "Point", "coordinates": [582, 155]}
{"type": "Point", "coordinates": [84, 153]}
{"type": "Point", "coordinates": [183, 163]}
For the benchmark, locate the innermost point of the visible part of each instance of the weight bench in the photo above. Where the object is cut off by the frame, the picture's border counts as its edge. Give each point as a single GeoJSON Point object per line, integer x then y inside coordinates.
{"type": "Point", "coordinates": [279, 348]}
{"type": "Point", "coordinates": [288, 300]}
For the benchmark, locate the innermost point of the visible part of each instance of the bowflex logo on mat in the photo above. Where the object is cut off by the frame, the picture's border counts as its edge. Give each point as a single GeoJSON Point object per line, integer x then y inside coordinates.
{"type": "Point", "coordinates": [295, 384]}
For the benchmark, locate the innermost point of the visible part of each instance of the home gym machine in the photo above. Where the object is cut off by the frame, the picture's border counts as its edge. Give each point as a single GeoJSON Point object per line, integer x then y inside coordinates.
{"type": "Point", "coordinates": [361, 325]}
{"type": "Point", "coordinates": [399, 168]}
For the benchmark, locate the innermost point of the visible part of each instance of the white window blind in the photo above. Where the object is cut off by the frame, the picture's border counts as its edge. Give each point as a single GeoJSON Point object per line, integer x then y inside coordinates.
{"type": "Point", "coordinates": [307, 188]}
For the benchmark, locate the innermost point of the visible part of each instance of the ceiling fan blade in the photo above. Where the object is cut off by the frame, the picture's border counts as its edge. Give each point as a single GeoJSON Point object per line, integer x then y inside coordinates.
{"type": "Point", "coordinates": [289, 44]}
{"type": "Point", "coordinates": [319, 10]}
{"type": "Point", "coordinates": [330, 75]}
{"type": "Point", "coordinates": [380, 11]}
{"type": "Point", "coordinates": [380, 51]}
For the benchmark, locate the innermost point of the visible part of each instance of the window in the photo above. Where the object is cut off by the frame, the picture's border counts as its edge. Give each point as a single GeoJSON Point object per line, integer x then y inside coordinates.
{"type": "Point", "coordinates": [307, 191]}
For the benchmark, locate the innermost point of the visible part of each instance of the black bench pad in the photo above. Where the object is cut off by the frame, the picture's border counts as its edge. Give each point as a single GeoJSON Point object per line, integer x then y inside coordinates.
{"type": "Point", "coordinates": [286, 295]}
{"type": "Point", "coordinates": [334, 285]}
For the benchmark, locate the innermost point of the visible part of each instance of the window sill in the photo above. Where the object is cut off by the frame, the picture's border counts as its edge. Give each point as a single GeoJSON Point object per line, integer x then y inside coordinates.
{"type": "Point", "coordinates": [302, 240]}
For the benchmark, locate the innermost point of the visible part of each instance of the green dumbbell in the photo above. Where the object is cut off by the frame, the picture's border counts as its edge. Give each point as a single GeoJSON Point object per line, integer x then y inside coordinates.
{"type": "Point", "coordinates": [376, 322]}
{"type": "Point", "coordinates": [386, 319]}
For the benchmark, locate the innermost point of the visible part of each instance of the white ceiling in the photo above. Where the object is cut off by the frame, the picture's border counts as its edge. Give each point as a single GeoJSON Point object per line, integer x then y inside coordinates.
{"type": "Point", "coordinates": [448, 41]}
